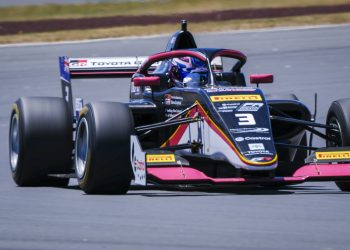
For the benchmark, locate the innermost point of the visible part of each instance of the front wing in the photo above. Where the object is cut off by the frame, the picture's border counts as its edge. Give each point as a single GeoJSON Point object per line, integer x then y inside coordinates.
{"type": "Point", "coordinates": [165, 167]}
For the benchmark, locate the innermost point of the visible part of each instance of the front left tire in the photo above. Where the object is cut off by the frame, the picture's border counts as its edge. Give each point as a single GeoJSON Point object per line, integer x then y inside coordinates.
{"type": "Point", "coordinates": [102, 148]}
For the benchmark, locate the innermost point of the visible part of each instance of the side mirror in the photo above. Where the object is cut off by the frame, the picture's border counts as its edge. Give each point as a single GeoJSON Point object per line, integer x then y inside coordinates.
{"type": "Point", "coordinates": [146, 81]}
{"type": "Point", "coordinates": [262, 78]}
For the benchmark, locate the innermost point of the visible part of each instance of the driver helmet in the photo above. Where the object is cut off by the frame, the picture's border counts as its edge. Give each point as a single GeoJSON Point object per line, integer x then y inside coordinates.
{"type": "Point", "coordinates": [190, 69]}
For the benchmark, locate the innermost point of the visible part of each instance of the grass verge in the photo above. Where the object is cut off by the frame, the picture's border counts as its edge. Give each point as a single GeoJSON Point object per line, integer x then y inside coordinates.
{"type": "Point", "coordinates": [150, 7]}
{"type": "Point", "coordinates": [167, 28]}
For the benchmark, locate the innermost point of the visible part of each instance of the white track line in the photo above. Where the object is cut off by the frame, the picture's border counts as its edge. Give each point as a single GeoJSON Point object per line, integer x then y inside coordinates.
{"type": "Point", "coordinates": [278, 29]}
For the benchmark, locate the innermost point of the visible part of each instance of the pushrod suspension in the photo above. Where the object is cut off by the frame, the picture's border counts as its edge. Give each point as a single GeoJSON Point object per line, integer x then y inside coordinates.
{"type": "Point", "coordinates": [286, 145]}
{"type": "Point", "coordinates": [307, 125]}
{"type": "Point", "coordinates": [166, 124]}
{"type": "Point", "coordinates": [149, 131]}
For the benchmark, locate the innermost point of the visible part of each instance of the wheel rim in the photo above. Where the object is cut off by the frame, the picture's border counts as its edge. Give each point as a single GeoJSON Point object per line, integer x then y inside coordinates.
{"type": "Point", "coordinates": [81, 148]}
{"type": "Point", "coordinates": [14, 142]}
{"type": "Point", "coordinates": [336, 134]}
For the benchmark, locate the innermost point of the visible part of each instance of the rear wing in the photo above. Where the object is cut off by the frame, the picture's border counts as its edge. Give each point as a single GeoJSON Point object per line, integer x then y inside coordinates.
{"type": "Point", "coordinates": [99, 67]}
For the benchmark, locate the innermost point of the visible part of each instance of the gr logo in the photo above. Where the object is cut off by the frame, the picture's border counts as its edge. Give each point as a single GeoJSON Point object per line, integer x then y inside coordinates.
{"type": "Point", "coordinates": [245, 119]}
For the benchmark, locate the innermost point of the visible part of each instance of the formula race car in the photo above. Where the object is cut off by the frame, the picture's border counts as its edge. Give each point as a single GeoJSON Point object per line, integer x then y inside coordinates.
{"type": "Point", "coordinates": [191, 120]}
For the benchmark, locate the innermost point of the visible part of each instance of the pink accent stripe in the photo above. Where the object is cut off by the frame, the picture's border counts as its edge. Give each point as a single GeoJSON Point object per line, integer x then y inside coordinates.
{"type": "Point", "coordinates": [231, 53]}
{"type": "Point", "coordinates": [168, 55]}
{"type": "Point", "coordinates": [176, 53]}
{"type": "Point", "coordinates": [308, 172]}
{"type": "Point", "coordinates": [261, 78]}
{"type": "Point", "coordinates": [146, 81]}
{"type": "Point", "coordinates": [324, 170]}
{"type": "Point", "coordinates": [190, 175]}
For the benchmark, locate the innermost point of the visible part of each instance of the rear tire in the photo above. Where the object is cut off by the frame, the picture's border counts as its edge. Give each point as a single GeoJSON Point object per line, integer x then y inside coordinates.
{"type": "Point", "coordinates": [40, 141]}
{"type": "Point", "coordinates": [102, 158]}
{"type": "Point", "coordinates": [339, 116]}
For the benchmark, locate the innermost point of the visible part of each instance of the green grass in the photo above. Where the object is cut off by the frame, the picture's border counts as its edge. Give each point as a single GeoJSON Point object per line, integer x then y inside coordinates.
{"type": "Point", "coordinates": [154, 7]}
{"type": "Point", "coordinates": [159, 7]}
{"type": "Point", "coordinates": [169, 29]}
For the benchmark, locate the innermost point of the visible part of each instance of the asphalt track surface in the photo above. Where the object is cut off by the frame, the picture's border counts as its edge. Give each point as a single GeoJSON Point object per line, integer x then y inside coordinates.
{"type": "Point", "coordinates": [308, 216]}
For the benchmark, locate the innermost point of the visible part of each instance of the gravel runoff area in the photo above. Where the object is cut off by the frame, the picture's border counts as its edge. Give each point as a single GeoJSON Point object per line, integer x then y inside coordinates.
{"type": "Point", "coordinates": [20, 27]}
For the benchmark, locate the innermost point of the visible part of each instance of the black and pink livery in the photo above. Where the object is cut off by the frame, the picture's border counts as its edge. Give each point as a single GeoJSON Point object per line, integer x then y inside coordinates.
{"type": "Point", "coordinates": [215, 131]}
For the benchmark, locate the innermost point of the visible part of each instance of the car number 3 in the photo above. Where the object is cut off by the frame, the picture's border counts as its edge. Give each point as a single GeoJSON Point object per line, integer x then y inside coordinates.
{"type": "Point", "coordinates": [245, 119]}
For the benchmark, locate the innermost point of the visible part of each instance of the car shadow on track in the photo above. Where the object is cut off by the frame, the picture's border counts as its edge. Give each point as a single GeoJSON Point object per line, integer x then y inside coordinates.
{"type": "Point", "coordinates": [174, 191]}
{"type": "Point", "coordinates": [218, 191]}
{"type": "Point", "coordinates": [204, 191]}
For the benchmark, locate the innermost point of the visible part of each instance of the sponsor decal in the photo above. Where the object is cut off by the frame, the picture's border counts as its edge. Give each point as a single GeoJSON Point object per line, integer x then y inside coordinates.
{"type": "Point", "coordinates": [230, 104]}
{"type": "Point", "coordinates": [173, 100]}
{"type": "Point", "coordinates": [111, 63]}
{"type": "Point", "coordinates": [253, 138]}
{"type": "Point", "coordinates": [258, 138]}
{"type": "Point", "coordinates": [333, 155]}
{"type": "Point", "coordinates": [226, 98]}
{"type": "Point", "coordinates": [228, 107]}
{"type": "Point", "coordinates": [167, 99]}
{"type": "Point", "coordinates": [139, 165]}
{"type": "Point", "coordinates": [171, 112]}
{"type": "Point", "coordinates": [250, 106]}
{"type": "Point", "coordinates": [249, 130]}
{"type": "Point", "coordinates": [66, 65]}
{"type": "Point", "coordinates": [257, 152]}
{"type": "Point", "coordinates": [256, 146]}
{"type": "Point", "coordinates": [79, 62]}
{"type": "Point", "coordinates": [214, 90]}
{"type": "Point", "coordinates": [139, 61]}
{"type": "Point", "coordinates": [160, 158]}
{"type": "Point", "coordinates": [226, 111]}
{"type": "Point", "coordinates": [260, 159]}
{"type": "Point", "coordinates": [120, 63]}
{"type": "Point", "coordinates": [138, 162]}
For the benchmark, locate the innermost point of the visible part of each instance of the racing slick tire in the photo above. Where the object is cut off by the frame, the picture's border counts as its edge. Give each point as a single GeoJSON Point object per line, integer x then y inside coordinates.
{"type": "Point", "coordinates": [339, 116]}
{"type": "Point", "coordinates": [40, 141]}
{"type": "Point", "coordinates": [102, 148]}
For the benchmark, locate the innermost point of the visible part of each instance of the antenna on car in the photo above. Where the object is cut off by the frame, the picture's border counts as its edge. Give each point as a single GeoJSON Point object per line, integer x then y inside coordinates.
{"type": "Point", "coordinates": [184, 25]}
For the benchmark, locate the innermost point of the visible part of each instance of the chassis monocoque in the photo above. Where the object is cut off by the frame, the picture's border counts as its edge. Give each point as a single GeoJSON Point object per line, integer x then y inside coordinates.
{"type": "Point", "coordinates": [213, 131]}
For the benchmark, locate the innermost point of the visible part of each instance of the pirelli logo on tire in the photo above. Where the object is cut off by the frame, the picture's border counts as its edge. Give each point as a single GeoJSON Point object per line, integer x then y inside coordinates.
{"type": "Point", "coordinates": [160, 158]}
{"type": "Point", "coordinates": [230, 98]}
{"type": "Point", "coordinates": [335, 155]}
